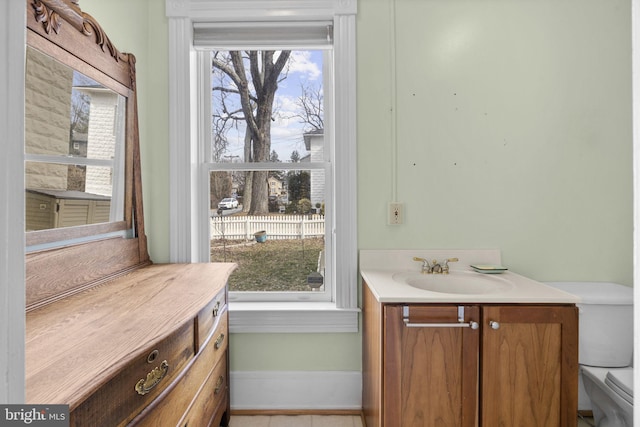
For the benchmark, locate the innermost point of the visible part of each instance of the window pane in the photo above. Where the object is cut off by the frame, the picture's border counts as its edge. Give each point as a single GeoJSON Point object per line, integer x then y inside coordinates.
{"type": "Point", "coordinates": [281, 251]}
{"type": "Point", "coordinates": [269, 221]}
{"type": "Point", "coordinates": [270, 123]}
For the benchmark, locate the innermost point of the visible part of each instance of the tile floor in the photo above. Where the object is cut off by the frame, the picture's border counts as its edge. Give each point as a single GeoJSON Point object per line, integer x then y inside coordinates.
{"type": "Point", "coordinates": [317, 421]}
{"type": "Point", "coordinates": [295, 421]}
{"type": "Point", "coordinates": [586, 422]}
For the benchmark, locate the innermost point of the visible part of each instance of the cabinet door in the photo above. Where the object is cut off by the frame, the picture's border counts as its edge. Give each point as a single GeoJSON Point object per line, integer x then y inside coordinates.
{"type": "Point", "coordinates": [430, 367]}
{"type": "Point", "coordinates": [529, 366]}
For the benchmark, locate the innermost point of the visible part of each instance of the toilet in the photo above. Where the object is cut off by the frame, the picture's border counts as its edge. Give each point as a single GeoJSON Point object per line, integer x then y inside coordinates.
{"type": "Point", "coordinates": [605, 350]}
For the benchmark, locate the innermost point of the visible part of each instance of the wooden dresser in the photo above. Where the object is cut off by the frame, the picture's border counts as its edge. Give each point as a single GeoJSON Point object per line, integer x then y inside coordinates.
{"type": "Point", "coordinates": [148, 348]}
{"type": "Point", "coordinates": [120, 340]}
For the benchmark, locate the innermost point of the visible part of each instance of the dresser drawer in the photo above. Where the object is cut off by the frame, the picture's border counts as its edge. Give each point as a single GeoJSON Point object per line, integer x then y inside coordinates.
{"type": "Point", "coordinates": [181, 401]}
{"type": "Point", "coordinates": [209, 316]}
{"type": "Point", "coordinates": [138, 384]}
{"type": "Point", "coordinates": [211, 402]}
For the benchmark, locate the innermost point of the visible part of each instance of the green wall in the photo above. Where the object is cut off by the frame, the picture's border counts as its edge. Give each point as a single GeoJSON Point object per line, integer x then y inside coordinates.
{"type": "Point", "coordinates": [513, 132]}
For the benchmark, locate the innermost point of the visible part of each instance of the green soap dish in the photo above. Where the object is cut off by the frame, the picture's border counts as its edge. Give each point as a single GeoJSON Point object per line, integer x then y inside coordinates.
{"type": "Point", "coordinates": [489, 268]}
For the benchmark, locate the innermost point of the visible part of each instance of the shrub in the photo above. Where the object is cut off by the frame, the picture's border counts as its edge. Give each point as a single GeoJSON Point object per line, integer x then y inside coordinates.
{"type": "Point", "coordinates": [304, 206]}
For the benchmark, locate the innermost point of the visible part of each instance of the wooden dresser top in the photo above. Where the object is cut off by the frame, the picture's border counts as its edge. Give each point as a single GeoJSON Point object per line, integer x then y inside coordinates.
{"type": "Point", "coordinates": [75, 345]}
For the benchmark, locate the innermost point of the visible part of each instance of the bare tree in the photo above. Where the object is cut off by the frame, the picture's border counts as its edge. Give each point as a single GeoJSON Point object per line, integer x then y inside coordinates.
{"type": "Point", "coordinates": [80, 105]}
{"type": "Point", "coordinates": [311, 105]}
{"type": "Point", "coordinates": [256, 87]}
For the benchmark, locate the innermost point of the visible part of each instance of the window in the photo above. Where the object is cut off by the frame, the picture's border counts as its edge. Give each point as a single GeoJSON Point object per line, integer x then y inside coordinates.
{"type": "Point", "coordinates": [203, 174]}
{"type": "Point", "coordinates": [267, 128]}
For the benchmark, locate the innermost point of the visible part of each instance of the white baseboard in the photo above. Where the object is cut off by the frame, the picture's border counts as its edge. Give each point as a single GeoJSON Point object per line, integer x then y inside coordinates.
{"type": "Point", "coordinates": [296, 390]}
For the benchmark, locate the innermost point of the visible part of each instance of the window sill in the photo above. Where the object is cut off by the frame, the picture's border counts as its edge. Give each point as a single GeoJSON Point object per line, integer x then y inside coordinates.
{"type": "Point", "coordinates": [291, 317]}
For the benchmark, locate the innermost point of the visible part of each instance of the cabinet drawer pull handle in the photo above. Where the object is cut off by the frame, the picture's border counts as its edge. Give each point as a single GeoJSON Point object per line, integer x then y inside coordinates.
{"type": "Point", "coordinates": [472, 325]}
{"type": "Point", "coordinates": [219, 341]}
{"type": "Point", "coordinates": [494, 324]}
{"type": "Point", "coordinates": [460, 324]}
{"type": "Point", "coordinates": [145, 385]}
{"type": "Point", "coordinates": [219, 384]}
{"type": "Point", "coordinates": [216, 309]}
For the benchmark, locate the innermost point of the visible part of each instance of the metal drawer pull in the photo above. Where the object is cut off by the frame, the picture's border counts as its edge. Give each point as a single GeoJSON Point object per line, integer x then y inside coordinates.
{"type": "Point", "coordinates": [216, 309]}
{"type": "Point", "coordinates": [219, 341]}
{"type": "Point", "coordinates": [154, 377]}
{"type": "Point", "coordinates": [472, 325]}
{"type": "Point", "coordinates": [219, 385]}
{"type": "Point", "coordinates": [494, 324]}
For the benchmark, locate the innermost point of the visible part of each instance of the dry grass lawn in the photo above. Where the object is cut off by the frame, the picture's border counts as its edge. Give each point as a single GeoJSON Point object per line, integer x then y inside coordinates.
{"type": "Point", "coordinates": [274, 266]}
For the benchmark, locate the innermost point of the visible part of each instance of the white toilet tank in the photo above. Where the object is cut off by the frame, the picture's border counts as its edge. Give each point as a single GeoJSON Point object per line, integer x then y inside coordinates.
{"type": "Point", "coordinates": [605, 322]}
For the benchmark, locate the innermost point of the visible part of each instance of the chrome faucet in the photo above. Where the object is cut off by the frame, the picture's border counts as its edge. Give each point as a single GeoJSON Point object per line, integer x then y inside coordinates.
{"type": "Point", "coordinates": [445, 267]}
{"type": "Point", "coordinates": [427, 268]}
{"type": "Point", "coordinates": [435, 267]}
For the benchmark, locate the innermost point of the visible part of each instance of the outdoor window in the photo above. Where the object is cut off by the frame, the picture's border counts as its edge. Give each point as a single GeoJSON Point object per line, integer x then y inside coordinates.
{"type": "Point", "coordinates": [228, 186]}
{"type": "Point", "coordinates": [269, 159]}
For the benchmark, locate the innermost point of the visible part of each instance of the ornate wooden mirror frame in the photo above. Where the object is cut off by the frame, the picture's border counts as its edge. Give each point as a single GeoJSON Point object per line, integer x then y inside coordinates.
{"type": "Point", "coordinates": [64, 261]}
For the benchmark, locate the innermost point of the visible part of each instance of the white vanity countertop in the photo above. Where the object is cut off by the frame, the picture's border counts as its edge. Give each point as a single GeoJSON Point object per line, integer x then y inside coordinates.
{"type": "Point", "coordinates": [377, 268]}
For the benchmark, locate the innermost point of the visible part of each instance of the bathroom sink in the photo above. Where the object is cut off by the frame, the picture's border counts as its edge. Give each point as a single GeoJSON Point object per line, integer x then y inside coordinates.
{"type": "Point", "coordinates": [456, 282]}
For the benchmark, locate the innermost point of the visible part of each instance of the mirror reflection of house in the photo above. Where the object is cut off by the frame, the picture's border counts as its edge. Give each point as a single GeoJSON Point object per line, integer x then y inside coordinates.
{"type": "Point", "coordinates": [105, 113]}
{"type": "Point", "coordinates": [74, 131]}
{"type": "Point", "coordinates": [64, 208]}
{"type": "Point", "coordinates": [48, 87]}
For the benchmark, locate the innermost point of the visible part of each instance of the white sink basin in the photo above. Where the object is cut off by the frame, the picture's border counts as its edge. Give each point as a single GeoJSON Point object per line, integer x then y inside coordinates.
{"type": "Point", "coordinates": [456, 282]}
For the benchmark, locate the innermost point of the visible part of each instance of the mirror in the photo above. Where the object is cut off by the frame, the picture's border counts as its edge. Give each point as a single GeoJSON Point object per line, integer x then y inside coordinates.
{"type": "Point", "coordinates": [81, 132]}
{"type": "Point", "coordinates": [74, 145]}
{"type": "Point", "coordinates": [83, 187]}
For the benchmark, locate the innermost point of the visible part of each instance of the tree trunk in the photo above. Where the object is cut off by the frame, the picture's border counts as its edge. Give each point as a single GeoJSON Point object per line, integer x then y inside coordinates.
{"type": "Point", "coordinates": [260, 193]}
{"type": "Point", "coordinates": [248, 178]}
{"type": "Point", "coordinates": [264, 74]}
{"type": "Point", "coordinates": [248, 188]}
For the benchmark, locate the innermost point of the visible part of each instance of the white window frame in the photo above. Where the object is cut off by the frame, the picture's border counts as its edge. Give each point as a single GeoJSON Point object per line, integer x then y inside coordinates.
{"type": "Point", "coordinates": [188, 197]}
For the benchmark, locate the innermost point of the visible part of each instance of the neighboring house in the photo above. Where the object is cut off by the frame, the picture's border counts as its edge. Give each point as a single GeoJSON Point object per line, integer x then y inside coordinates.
{"type": "Point", "coordinates": [105, 114]}
{"type": "Point", "coordinates": [276, 187]}
{"type": "Point", "coordinates": [314, 143]}
{"type": "Point", "coordinates": [47, 118]}
{"type": "Point", "coordinates": [79, 141]}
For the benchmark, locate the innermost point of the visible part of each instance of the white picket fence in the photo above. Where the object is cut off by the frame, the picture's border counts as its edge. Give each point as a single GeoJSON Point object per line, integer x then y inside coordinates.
{"type": "Point", "coordinates": [277, 226]}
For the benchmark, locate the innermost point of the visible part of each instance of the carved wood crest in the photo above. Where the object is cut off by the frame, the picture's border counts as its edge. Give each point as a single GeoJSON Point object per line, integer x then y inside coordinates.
{"type": "Point", "coordinates": [53, 13]}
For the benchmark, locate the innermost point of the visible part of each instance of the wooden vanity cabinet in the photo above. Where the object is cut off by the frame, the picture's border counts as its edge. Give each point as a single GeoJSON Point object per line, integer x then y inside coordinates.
{"type": "Point", "coordinates": [529, 365]}
{"type": "Point", "coordinates": [518, 368]}
{"type": "Point", "coordinates": [429, 374]}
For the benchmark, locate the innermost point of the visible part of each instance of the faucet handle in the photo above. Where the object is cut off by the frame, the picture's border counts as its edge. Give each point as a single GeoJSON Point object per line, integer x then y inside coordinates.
{"type": "Point", "coordinates": [426, 267]}
{"type": "Point", "coordinates": [445, 267]}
